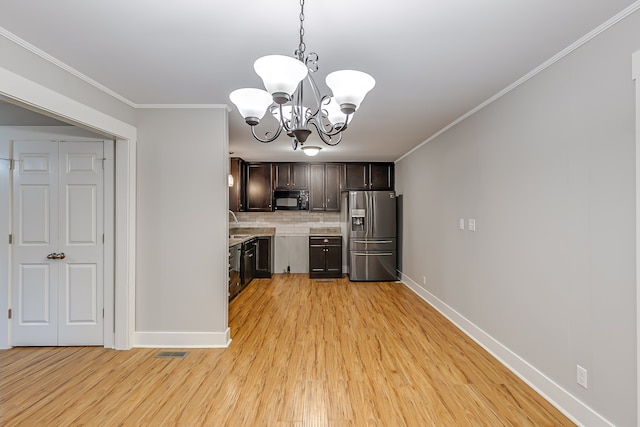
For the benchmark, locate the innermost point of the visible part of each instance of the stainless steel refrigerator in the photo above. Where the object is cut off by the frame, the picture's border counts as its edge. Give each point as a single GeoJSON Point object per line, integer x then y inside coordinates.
{"type": "Point", "coordinates": [371, 227]}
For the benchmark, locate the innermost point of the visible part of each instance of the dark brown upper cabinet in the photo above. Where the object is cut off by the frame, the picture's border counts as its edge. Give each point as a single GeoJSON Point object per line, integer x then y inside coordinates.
{"type": "Point", "coordinates": [258, 188]}
{"type": "Point", "coordinates": [290, 176]}
{"type": "Point", "coordinates": [236, 191]}
{"type": "Point", "coordinates": [324, 188]}
{"type": "Point", "coordinates": [368, 176]}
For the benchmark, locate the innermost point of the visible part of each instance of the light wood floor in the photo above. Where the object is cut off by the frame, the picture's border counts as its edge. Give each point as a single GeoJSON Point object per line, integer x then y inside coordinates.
{"type": "Point", "coordinates": [304, 353]}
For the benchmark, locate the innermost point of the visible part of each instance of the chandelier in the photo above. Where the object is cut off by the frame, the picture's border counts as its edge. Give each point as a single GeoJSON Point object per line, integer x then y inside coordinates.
{"type": "Point", "coordinates": [283, 78]}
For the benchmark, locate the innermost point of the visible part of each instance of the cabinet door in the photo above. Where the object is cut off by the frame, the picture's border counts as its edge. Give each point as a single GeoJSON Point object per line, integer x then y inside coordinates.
{"type": "Point", "coordinates": [258, 187]}
{"type": "Point", "coordinates": [333, 260]}
{"type": "Point", "coordinates": [316, 260]}
{"type": "Point", "coordinates": [332, 187]}
{"type": "Point", "coordinates": [299, 176]}
{"type": "Point", "coordinates": [356, 176]}
{"type": "Point", "coordinates": [316, 189]}
{"type": "Point", "coordinates": [236, 191]}
{"type": "Point", "coordinates": [381, 176]}
{"type": "Point", "coordinates": [281, 176]}
{"type": "Point", "coordinates": [263, 257]}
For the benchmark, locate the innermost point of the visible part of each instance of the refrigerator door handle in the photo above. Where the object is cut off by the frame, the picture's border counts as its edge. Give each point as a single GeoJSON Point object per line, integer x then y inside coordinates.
{"type": "Point", "coordinates": [371, 242]}
{"type": "Point", "coordinates": [372, 253]}
{"type": "Point", "coordinates": [372, 209]}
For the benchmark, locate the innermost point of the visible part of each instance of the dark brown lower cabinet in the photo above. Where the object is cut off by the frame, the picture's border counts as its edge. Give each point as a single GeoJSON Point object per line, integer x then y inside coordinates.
{"type": "Point", "coordinates": [325, 256]}
{"type": "Point", "coordinates": [263, 257]}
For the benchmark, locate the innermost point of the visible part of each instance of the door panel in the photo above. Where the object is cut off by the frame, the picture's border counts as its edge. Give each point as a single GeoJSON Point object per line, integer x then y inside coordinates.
{"type": "Point", "coordinates": [80, 292]}
{"type": "Point", "coordinates": [37, 313]}
{"type": "Point", "coordinates": [34, 203]}
{"type": "Point", "coordinates": [34, 290]}
{"type": "Point", "coordinates": [81, 228]}
{"type": "Point", "coordinates": [35, 278]}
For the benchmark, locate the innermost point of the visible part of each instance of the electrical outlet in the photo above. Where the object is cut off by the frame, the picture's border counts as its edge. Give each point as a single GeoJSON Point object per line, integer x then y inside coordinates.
{"type": "Point", "coordinates": [424, 280]}
{"type": "Point", "coordinates": [461, 223]}
{"type": "Point", "coordinates": [581, 376]}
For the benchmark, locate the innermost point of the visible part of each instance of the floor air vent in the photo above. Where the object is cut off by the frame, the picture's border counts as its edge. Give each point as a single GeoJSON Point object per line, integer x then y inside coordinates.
{"type": "Point", "coordinates": [325, 281]}
{"type": "Point", "coordinates": [171, 354]}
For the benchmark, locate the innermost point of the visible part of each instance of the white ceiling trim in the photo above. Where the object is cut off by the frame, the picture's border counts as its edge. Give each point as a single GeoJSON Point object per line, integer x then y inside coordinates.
{"type": "Point", "coordinates": [31, 48]}
{"type": "Point", "coordinates": [592, 34]}
{"type": "Point", "coordinates": [225, 106]}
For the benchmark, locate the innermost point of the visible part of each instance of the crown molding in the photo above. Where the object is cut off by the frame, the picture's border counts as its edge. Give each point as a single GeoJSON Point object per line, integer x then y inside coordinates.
{"type": "Point", "coordinates": [580, 42]}
{"type": "Point", "coordinates": [31, 48]}
{"type": "Point", "coordinates": [175, 106]}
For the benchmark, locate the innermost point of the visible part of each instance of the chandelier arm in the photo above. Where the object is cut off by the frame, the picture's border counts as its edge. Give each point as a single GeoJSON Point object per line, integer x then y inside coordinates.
{"type": "Point", "coordinates": [283, 123]}
{"type": "Point", "coordinates": [328, 125]}
{"type": "Point", "coordinates": [316, 94]}
{"type": "Point", "coordinates": [317, 114]}
{"type": "Point", "coordinates": [267, 139]}
{"type": "Point", "coordinates": [326, 137]}
{"type": "Point", "coordinates": [319, 125]}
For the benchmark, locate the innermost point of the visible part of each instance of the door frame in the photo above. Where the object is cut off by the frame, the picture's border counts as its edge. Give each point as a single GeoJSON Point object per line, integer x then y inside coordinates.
{"type": "Point", "coordinates": [635, 66]}
{"type": "Point", "coordinates": [33, 96]}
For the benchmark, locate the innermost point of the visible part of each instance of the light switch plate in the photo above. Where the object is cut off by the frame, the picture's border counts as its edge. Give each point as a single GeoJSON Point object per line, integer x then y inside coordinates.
{"type": "Point", "coordinates": [461, 223]}
{"type": "Point", "coordinates": [472, 224]}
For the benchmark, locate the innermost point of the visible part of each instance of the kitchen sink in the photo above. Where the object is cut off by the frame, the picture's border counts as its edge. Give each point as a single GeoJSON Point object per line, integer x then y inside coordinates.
{"type": "Point", "coordinates": [239, 236]}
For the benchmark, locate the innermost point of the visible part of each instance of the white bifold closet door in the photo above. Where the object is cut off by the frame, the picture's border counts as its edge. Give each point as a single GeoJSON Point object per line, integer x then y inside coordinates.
{"type": "Point", "coordinates": [57, 251]}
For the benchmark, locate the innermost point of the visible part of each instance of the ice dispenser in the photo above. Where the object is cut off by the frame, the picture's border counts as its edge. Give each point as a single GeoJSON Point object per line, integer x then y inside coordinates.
{"type": "Point", "coordinates": [357, 219]}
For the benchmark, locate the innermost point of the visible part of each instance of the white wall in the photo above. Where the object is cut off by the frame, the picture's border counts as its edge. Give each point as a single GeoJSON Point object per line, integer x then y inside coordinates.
{"type": "Point", "coordinates": [548, 172]}
{"type": "Point", "coordinates": [182, 253]}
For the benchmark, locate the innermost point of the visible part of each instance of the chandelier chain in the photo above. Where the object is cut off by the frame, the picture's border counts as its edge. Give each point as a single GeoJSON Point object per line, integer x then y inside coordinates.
{"type": "Point", "coordinates": [301, 46]}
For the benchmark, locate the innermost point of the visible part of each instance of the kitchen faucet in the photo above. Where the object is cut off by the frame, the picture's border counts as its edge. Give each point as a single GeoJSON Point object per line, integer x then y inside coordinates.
{"type": "Point", "coordinates": [233, 215]}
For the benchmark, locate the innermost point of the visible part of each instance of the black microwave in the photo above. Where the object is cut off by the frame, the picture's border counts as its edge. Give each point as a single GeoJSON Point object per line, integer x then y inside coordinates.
{"type": "Point", "coordinates": [292, 200]}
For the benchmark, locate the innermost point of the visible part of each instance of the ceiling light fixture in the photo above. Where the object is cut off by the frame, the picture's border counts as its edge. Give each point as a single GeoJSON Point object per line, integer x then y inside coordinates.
{"type": "Point", "coordinates": [283, 77]}
{"type": "Point", "coordinates": [311, 150]}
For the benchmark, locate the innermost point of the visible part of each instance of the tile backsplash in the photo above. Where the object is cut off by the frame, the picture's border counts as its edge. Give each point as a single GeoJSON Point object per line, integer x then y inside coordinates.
{"type": "Point", "coordinates": [292, 223]}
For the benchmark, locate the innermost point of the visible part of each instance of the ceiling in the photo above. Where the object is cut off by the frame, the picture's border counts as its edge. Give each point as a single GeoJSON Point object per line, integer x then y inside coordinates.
{"type": "Point", "coordinates": [433, 60]}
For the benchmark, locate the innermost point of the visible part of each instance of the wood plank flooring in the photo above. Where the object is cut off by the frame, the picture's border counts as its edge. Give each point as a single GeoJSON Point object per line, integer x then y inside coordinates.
{"type": "Point", "coordinates": [304, 353]}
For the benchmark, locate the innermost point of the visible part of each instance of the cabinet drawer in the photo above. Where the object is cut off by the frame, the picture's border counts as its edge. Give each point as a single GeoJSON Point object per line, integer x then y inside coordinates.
{"type": "Point", "coordinates": [325, 241]}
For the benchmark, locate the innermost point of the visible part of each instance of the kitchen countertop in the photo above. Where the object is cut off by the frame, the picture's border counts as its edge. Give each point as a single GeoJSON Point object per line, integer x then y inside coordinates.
{"type": "Point", "coordinates": [242, 234]}
{"type": "Point", "coordinates": [325, 231]}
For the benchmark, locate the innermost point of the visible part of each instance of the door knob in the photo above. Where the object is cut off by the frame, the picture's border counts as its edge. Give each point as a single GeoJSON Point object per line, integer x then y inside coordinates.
{"type": "Point", "coordinates": [54, 255]}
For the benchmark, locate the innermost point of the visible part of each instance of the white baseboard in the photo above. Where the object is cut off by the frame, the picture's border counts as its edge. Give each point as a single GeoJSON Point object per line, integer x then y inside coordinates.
{"type": "Point", "coordinates": [183, 339]}
{"type": "Point", "coordinates": [567, 403]}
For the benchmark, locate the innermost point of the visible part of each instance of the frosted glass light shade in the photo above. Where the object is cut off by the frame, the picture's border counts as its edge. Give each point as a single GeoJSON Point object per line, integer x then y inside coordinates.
{"type": "Point", "coordinates": [350, 87]}
{"type": "Point", "coordinates": [280, 74]}
{"type": "Point", "coordinates": [311, 150]}
{"type": "Point", "coordinates": [334, 114]}
{"type": "Point", "coordinates": [252, 103]}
